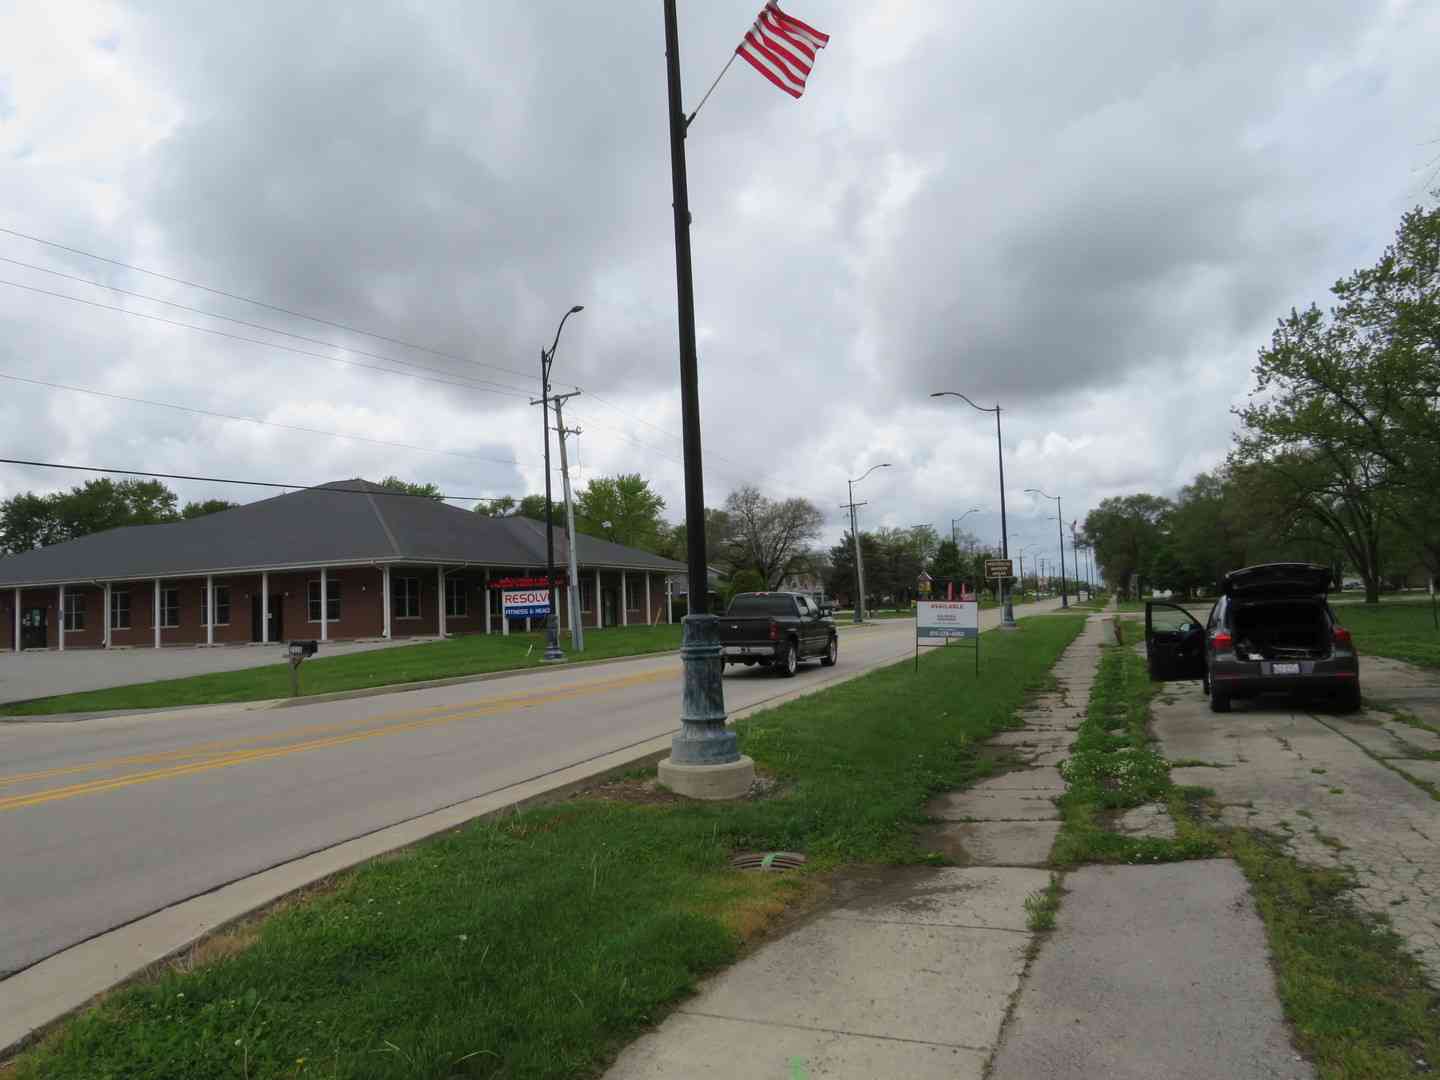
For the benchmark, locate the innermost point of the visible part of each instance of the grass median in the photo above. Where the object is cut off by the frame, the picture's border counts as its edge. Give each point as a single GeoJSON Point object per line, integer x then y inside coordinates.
{"type": "Point", "coordinates": [473, 654]}
{"type": "Point", "coordinates": [1401, 630]}
{"type": "Point", "coordinates": [538, 944]}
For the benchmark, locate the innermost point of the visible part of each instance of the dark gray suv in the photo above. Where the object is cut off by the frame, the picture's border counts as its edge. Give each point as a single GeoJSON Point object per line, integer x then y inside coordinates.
{"type": "Point", "coordinates": [1271, 631]}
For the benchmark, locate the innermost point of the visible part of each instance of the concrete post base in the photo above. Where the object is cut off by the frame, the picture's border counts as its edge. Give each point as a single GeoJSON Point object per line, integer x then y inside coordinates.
{"type": "Point", "coordinates": [729, 780]}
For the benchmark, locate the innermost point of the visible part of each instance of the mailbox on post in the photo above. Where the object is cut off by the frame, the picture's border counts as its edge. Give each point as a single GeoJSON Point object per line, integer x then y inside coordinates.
{"type": "Point", "coordinates": [299, 650]}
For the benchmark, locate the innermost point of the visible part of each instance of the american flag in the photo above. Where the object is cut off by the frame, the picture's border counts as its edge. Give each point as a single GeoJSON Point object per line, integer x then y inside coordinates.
{"type": "Point", "coordinates": [782, 48]}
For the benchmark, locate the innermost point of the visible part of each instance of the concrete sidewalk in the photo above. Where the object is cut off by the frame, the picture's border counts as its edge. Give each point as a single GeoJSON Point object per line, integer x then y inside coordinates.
{"type": "Point", "coordinates": [920, 973]}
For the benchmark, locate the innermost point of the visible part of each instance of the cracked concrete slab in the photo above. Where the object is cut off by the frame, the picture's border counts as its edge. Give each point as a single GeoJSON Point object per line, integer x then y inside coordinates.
{"type": "Point", "coordinates": [995, 843]}
{"type": "Point", "coordinates": [994, 806]}
{"type": "Point", "coordinates": [1152, 820]}
{"type": "Point", "coordinates": [991, 898]}
{"type": "Point", "coordinates": [1152, 971]}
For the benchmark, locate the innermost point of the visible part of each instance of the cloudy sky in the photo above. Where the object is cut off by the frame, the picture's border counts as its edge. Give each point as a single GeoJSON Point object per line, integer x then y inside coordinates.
{"type": "Point", "coordinates": [1091, 213]}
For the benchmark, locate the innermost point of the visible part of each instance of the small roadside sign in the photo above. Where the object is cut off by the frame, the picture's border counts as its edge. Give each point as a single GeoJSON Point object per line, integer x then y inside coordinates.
{"type": "Point", "coordinates": [999, 568]}
{"type": "Point", "coordinates": [938, 622]}
{"type": "Point", "coordinates": [526, 603]}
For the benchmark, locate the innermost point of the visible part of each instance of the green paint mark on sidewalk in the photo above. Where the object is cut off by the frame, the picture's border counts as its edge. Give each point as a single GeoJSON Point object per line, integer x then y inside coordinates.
{"type": "Point", "coordinates": [798, 1070]}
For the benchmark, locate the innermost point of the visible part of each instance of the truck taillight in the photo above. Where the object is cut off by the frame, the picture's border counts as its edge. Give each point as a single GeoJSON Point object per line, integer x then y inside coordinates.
{"type": "Point", "coordinates": [1342, 637]}
{"type": "Point", "coordinates": [1221, 639]}
{"type": "Point", "coordinates": [774, 630]}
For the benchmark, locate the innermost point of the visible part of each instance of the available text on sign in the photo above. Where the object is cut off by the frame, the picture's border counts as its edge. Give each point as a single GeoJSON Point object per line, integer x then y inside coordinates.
{"type": "Point", "coordinates": [937, 621]}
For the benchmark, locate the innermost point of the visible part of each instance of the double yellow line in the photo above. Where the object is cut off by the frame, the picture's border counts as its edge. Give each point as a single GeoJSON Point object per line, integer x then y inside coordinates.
{"type": "Point", "coordinates": [224, 755]}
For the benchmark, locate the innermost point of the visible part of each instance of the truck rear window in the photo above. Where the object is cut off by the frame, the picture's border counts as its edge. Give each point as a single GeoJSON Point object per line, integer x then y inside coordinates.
{"type": "Point", "coordinates": [774, 604]}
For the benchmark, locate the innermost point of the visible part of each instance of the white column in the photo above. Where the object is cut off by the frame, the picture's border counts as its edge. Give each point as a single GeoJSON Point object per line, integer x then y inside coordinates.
{"type": "Point", "coordinates": [599, 603]}
{"type": "Point", "coordinates": [669, 599]}
{"type": "Point", "coordinates": [62, 618]}
{"type": "Point", "coordinates": [16, 642]}
{"type": "Point", "coordinates": [264, 607]}
{"type": "Point", "coordinates": [106, 625]}
{"type": "Point", "coordinates": [440, 593]}
{"type": "Point", "coordinates": [324, 605]}
{"type": "Point", "coordinates": [209, 609]}
{"type": "Point", "coordinates": [624, 600]}
{"type": "Point", "coordinates": [385, 600]}
{"type": "Point", "coordinates": [649, 611]}
{"type": "Point", "coordinates": [487, 599]}
{"type": "Point", "coordinates": [155, 611]}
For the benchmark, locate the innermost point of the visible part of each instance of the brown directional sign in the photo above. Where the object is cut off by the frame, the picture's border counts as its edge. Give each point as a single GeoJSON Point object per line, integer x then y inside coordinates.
{"type": "Point", "coordinates": [999, 568]}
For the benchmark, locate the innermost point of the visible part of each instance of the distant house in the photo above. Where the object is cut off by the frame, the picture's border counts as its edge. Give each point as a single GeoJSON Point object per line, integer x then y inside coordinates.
{"type": "Point", "coordinates": [346, 560]}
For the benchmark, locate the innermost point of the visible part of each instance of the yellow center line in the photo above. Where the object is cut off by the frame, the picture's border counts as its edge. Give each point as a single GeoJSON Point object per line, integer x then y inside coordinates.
{"type": "Point", "coordinates": [421, 719]}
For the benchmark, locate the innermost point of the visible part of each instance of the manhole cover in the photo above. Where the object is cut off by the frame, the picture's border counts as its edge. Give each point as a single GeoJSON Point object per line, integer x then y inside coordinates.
{"type": "Point", "coordinates": [768, 860]}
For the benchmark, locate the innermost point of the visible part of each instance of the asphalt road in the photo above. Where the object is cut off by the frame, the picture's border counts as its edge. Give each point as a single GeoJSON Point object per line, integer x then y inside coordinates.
{"type": "Point", "coordinates": [107, 820]}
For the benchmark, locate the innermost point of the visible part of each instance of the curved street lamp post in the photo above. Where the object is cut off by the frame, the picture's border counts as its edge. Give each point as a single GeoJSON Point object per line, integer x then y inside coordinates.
{"type": "Point", "coordinates": [552, 621]}
{"type": "Point", "coordinates": [1060, 529]}
{"type": "Point", "coordinates": [857, 613]}
{"type": "Point", "coordinates": [1007, 614]}
{"type": "Point", "coordinates": [955, 524]}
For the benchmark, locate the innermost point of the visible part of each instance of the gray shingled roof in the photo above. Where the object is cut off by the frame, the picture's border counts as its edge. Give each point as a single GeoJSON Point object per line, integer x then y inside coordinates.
{"type": "Point", "coordinates": [364, 523]}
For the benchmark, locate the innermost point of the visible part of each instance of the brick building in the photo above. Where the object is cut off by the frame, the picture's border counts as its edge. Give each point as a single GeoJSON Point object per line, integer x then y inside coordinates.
{"type": "Point", "coordinates": [377, 565]}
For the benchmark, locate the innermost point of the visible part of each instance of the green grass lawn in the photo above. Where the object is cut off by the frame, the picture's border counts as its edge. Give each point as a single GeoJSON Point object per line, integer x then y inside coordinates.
{"type": "Point", "coordinates": [1401, 629]}
{"type": "Point", "coordinates": [470, 655]}
{"type": "Point", "coordinates": [538, 944]}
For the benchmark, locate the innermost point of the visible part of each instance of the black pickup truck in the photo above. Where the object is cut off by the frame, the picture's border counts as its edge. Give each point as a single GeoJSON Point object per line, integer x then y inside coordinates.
{"type": "Point", "coordinates": [777, 630]}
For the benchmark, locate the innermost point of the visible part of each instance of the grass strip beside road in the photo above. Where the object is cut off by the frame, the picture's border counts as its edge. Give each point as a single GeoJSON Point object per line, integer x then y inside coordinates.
{"type": "Point", "coordinates": [472, 654]}
{"type": "Point", "coordinates": [536, 945]}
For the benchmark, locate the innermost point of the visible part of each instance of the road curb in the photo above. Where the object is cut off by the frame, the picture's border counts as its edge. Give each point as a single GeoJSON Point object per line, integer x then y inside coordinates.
{"type": "Point", "coordinates": [35, 999]}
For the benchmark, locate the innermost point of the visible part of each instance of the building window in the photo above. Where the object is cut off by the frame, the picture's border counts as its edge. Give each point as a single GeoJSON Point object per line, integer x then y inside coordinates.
{"type": "Point", "coordinates": [119, 610]}
{"type": "Point", "coordinates": [405, 595]}
{"type": "Point", "coordinates": [74, 611]}
{"type": "Point", "coordinates": [332, 601]}
{"type": "Point", "coordinates": [455, 598]}
{"type": "Point", "coordinates": [169, 608]}
{"type": "Point", "coordinates": [222, 605]}
{"type": "Point", "coordinates": [587, 595]}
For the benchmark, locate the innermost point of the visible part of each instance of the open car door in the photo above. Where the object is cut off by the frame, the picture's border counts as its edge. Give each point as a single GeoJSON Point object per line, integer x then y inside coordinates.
{"type": "Point", "coordinates": [1174, 642]}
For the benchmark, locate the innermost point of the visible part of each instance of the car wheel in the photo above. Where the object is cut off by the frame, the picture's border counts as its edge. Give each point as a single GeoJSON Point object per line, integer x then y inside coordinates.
{"type": "Point", "coordinates": [832, 653]}
{"type": "Point", "coordinates": [1219, 699]}
{"type": "Point", "coordinates": [789, 662]}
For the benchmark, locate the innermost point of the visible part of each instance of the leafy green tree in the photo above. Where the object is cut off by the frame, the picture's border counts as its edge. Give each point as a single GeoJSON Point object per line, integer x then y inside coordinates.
{"type": "Point", "coordinates": [767, 535]}
{"type": "Point", "coordinates": [501, 507]}
{"type": "Point", "coordinates": [408, 487]}
{"type": "Point", "coordinates": [206, 507]}
{"type": "Point", "coordinates": [533, 507]}
{"type": "Point", "coordinates": [1126, 531]}
{"type": "Point", "coordinates": [29, 521]}
{"type": "Point", "coordinates": [742, 581]}
{"type": "Point", "coordinates": [947, 564]}
{"type": "Point", "coordinates": [718, 532]}
{"type": "Point", "coordinates": [622, 509]}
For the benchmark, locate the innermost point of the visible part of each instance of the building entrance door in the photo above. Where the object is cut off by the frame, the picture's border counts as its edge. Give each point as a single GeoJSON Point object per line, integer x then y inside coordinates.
{"type": "Point", "coordinates": [277, 618]}
{"type": "Point", "coordinates": [609, 608]}
{"type": "Point", "coordinates": [33, 629]}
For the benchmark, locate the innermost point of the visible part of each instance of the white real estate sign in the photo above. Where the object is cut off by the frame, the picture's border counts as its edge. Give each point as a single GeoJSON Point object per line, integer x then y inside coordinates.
{"type": "Point", "coordinates": [937, 621]}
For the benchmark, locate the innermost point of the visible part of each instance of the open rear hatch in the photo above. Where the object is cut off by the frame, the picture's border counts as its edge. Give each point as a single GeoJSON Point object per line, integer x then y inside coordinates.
{"type": "Point", "coordinates": [1282, 629]}
{"type": "Point", "coordinates": [1276, 580]}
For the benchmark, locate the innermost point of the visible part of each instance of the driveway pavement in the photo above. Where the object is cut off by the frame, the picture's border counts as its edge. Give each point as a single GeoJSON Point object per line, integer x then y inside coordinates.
{"type": "Point", "coordinates": [36, 674]}
{"type": "Point", "coordinates": [1348, 791]}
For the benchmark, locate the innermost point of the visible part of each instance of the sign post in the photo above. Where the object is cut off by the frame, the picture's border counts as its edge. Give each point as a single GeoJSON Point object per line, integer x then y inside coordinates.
{"type": "Point", "coordinates": [298, 651]}
{"type": "Point", "coordinates": [939, 622]}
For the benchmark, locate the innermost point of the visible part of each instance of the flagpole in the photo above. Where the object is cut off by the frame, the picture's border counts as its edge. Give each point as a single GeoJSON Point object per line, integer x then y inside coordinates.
{"type": "Point", "coordinates": [691, 118]}
{"type": "Point", "coordinates": [705, 760]}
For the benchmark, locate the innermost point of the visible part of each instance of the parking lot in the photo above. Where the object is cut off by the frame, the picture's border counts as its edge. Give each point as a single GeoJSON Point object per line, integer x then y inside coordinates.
{"type": "Point", "coordinates": [36, 674]}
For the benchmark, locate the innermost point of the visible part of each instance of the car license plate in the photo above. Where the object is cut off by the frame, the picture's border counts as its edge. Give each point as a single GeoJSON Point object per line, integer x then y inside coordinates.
{"type": "Point", "coordinates": [737, 650]}
{"type": "Point", "coordinates": [1284, 669]}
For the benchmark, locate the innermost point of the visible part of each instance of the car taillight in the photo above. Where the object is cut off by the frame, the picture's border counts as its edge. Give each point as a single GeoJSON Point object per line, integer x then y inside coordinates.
{"type": "Point", "coordinates": [1221, 639]}
{"type": "Point", "coordinates": [774, 630]}
{"type": "Point", "coordinates": [1342, 637]}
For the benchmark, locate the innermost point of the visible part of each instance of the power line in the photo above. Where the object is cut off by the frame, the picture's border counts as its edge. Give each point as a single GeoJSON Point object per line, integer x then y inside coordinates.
{"type": "Point", "coordinates": [246, 483]}
{"type": "Point", "coordinates": [259, 303]}
{"type": "Point", "coordinates": [242, 322]}
{"type": "Point", "coordinates": [457, 381]}
{"type": "Point", "coordinates": [254, 420]}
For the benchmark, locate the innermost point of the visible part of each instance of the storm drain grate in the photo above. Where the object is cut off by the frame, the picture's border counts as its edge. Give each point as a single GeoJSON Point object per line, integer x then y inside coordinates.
{"type": "Point", "coordinates": [772, 860]}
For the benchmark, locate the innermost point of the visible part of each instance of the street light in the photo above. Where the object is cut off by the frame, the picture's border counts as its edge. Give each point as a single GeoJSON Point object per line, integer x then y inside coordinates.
{"type": "Point", "coordinates": [955, 522]}
{"type": "Point", "coordinates": [1060, 529]}
{"type": "Point", "coordinates": [552, 621]}
{"type": "Point", "coordinates": [857, 613]}
{"type": "Point", "coordinates": [1007, 614]}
